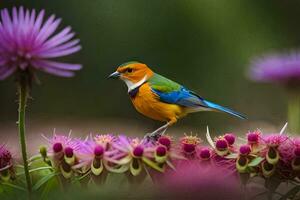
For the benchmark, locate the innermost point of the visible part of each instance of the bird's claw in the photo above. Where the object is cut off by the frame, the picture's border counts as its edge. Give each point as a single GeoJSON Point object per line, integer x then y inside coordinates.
{"type": "Point", "coordinates": [150, 137]}
{"type": "Point", "coordinates": [155, 135]}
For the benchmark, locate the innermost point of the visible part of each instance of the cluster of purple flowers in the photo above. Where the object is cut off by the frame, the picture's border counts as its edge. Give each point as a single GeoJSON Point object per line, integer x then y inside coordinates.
{"type": "Point", "coordinates": [258, 154]}
{"type": "Point", "coordinates": [101, 154]}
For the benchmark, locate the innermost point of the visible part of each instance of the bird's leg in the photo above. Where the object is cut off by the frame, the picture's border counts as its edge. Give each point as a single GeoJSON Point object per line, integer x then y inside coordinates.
{"type": "Point", "coordinates": [157, 133]}
{"type": "Point", "coordinates": [160, 131]}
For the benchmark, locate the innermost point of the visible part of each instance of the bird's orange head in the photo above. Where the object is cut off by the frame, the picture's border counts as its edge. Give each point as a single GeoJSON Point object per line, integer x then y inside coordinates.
{"type": "Point", "coordinates": [133, 74]}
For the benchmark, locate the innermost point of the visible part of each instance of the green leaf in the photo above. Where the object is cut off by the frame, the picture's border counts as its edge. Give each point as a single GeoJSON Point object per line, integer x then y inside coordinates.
{"type": "Point", "coordinates": [35, 169]}
{"type": "Point", "coordinates": [14, 186]}
{"type": "Point", "coordinates": [82, 177]}
{"type": "Point", "coordinates": [291, 193]}
{"type": "Point", "coordinates": [43, 180]}
{"type": "Point", "coordinates": [152, 164]}
{"type": "Point", "coordinates": [232, 156]}
{"type": "Point", "coordinates": [51, 185]}
{"type": "Point", "coordinates": [255, 161]}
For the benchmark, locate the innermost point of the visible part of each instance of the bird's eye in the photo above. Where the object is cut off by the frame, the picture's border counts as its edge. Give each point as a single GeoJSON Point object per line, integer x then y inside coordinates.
{"type": "Point", "coordinates": [129, 70]}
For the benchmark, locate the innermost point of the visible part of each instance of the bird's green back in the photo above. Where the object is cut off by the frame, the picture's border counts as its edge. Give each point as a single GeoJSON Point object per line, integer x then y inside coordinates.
{"type": "Point", "coordinates": [163, 84]}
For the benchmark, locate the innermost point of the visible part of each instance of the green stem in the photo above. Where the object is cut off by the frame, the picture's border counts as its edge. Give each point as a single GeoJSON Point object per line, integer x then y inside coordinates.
{"type": "Point", "coordinates": [294, 112]}
{"type": "Point", "coordinates": [23, 92]}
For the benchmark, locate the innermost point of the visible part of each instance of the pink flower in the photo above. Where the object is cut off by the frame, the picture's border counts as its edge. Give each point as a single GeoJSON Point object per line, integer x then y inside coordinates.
{"type": "Point", "coordinates": [27, 44]}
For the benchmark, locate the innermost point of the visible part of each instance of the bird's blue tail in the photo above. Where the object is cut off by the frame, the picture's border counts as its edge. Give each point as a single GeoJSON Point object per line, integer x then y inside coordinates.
{"type": "Point", "coordinates": [223, 109]}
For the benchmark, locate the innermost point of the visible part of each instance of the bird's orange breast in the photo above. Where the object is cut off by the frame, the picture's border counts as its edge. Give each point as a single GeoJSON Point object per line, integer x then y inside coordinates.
{"type": "Point", "coordinates": [148, 103]}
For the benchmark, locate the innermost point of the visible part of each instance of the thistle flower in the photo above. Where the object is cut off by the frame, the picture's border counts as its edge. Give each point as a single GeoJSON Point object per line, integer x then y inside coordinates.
{"type": "Point", "coordinates": [28, 44]}
{"type": "Point", "coordinates": [282, 68]}
{"type": "Point", "coordinates": [273, 141]}
{"type": "Point", "coordinates": [93, 158]}
{"type": "Point", "coordinates": [62, 153]}
{"type": "Point", "coordinates": [132, 154]}
{"type": "Point", "coordinates": [105, 140]}
{"type": "Point", "coordinates": [189, 144]}
{"type": "Point", "coordinates": [6, 164]}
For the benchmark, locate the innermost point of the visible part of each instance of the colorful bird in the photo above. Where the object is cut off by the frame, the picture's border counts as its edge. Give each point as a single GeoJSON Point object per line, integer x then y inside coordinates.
{"type": "Point", "coordinates": [160, 98]}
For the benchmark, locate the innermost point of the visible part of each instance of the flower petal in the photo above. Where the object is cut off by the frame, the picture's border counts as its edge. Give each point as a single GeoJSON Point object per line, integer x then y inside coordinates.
{"type": "Point", "coordinates": [58, 65]}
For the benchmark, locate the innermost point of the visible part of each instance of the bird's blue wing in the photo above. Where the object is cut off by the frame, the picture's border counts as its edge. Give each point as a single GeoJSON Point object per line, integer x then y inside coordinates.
{"type": "Point", "coordinates": [171, 92]}
{"type": "Point", "coordinates": [182, 97]}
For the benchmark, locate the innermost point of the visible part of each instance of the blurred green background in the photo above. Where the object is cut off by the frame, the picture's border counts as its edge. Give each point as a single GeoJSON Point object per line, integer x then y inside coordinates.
{"type": "Point", "coordinates": [204, 44]}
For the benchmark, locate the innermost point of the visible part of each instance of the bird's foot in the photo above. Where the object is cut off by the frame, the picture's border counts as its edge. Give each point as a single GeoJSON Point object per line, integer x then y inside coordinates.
{"type": "Point", "coordinates": [155, 135]}
{"type": "Point", "coordinates": [149, 137]}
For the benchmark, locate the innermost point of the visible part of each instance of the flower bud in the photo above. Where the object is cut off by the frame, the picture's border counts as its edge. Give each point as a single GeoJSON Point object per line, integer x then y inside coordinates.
{"type": "Point", "coordinates": [245, 149]}
{"type": "Point", "coordinates": [138, 151]}
{"type": "Point", "coordinates": [188, 148]}
{"type": "Point", "coordinates": [43, 151]}
{"type": "Point", "coordinates": [221, 147]}
{"type": "Point", "coordinates": [160, 154]}
{"type": "Point", "coordinates": [57, 147]}
{"type": "Point", "coordinates": [165, 141]}
{"type": "Point", "coordinates": [98, 151]}
{"type": "Point", "coordinates": [205, 154]}
{"type": "Point", "coordinates": [253, 137]}
{"type": "Point", "coordinates": [69, 155]}
{"type": "Point", "coordinates": [230, 138]}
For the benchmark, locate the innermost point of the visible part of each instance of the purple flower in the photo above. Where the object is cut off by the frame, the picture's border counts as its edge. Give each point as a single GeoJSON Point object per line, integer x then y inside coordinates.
{"type": "Point", "coordinates": [6, 163]}
{"type": "Point", "coordinates": [245, 149]}
{"type": "Point", "coordinates": [93, 156]}
{"type": "Point", "coordinates": [222, 146]}
{"type": "Point", "coordinates": [131, 154]}
{"type": "Point", "coordinates": [205, 153]}
{"type": "Point", "coordinates": [27, 43]}
{"type": "Point", "coordinates": [230, 138]}
{"type": "Point", "coordinates": [283, 68]}
{"type": "Point", "coordinates": [166, 141]}
{"type": "Point", "coordinates": [253, 137]}
{"type": "Point", "coordinates": [189, 144]}
{"type": "Point", "coordinates": [105, 140]}
{"type": "Point", "coordinates": [63, 153]}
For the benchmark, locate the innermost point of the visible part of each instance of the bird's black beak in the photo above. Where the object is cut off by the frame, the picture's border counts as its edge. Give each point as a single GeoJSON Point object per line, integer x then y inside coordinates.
{"type": "Point", "coordinates": [114, 75]}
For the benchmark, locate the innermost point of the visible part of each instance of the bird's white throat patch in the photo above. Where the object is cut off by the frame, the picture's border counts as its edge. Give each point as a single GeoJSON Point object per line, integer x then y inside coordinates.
{"type": "Point", "coordinates": [131, 86]}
